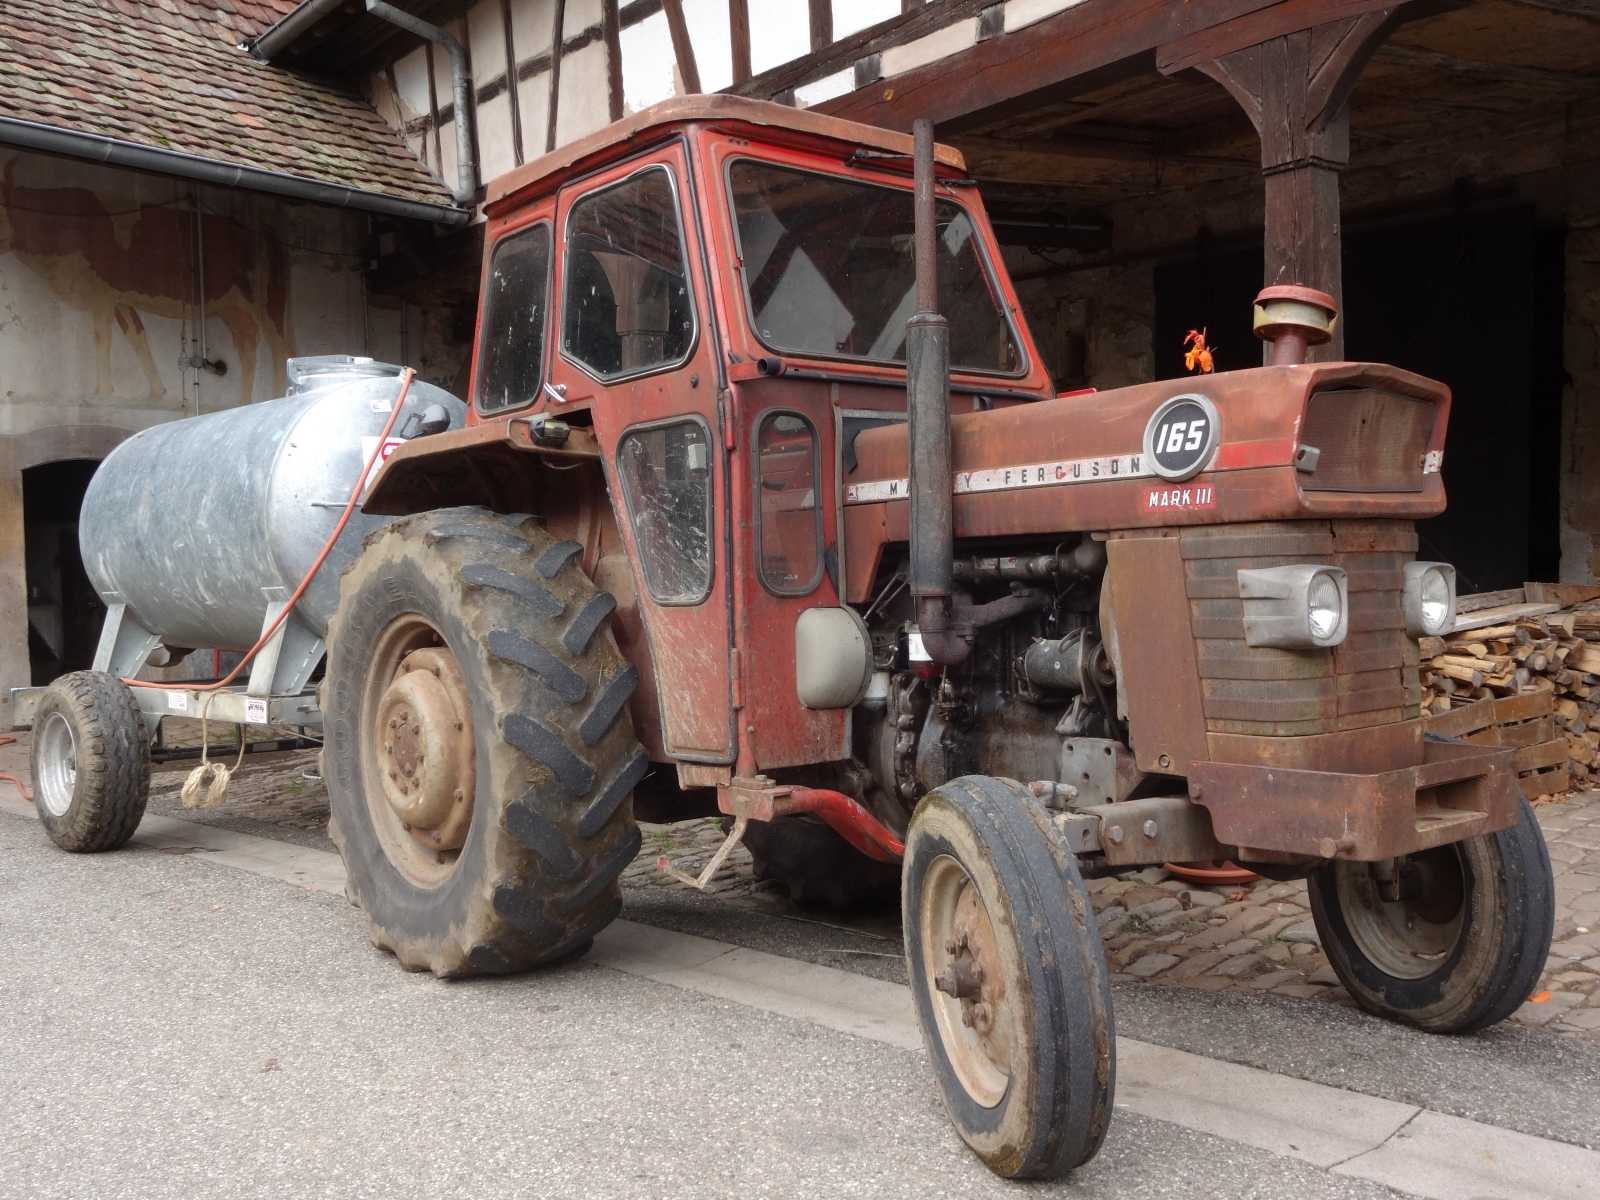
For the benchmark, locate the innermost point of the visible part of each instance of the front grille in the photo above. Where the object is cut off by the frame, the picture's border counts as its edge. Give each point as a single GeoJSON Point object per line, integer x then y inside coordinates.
{"type": "Point", "coordinates": [1370, 441]}
{"type": "Point", "coordinates": [1369, 679]}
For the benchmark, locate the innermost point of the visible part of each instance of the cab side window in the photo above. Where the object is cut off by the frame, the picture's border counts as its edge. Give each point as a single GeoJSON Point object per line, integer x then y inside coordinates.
{"type": "Point", "coordinates": [511, 366]}
{"type": "Point", "coordinates": [788, 518]}
{"type": "Point", "coordinates": [626, 307]}
{"type": "Point", "coordinates": [666, 479]}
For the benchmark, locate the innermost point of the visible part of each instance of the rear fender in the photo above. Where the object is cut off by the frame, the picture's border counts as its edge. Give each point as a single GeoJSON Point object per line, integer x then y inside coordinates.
{"type": "Point", "coordinates": [499, 465]}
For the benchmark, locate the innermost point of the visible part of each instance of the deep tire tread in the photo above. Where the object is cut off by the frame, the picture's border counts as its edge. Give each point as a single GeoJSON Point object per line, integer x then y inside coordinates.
{"type": "Point", "coordinates": [113, 762]}
{"type": "Point", "coordinates": [553, 828]}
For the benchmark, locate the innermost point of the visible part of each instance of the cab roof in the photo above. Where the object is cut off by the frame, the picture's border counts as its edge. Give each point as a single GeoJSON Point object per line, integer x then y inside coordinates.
{"type": "Point", "coordinates": [621, 138]}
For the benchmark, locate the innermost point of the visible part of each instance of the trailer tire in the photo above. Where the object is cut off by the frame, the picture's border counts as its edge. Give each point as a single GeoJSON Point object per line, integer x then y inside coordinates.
{"type": "Point", "coordinates": [818, 867]}
{"type": "Point", "coordinates": [504, 617]}
{"type": "Point", "coordinates": [90, 759]}
{"type": "Point", "coordinates": [1023, 1050]}
{"type": "Point", "coordinates": [1472, 968]}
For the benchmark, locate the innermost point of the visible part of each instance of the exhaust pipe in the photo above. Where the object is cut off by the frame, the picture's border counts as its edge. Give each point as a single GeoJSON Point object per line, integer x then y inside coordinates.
{"type": "Point", "coordinates": [946, 619]}
{"type": "Point", "coordinates": [928, 416]}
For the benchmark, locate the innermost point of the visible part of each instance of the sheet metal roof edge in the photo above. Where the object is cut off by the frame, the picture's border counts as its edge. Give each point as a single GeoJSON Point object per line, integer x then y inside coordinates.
{"type": "Point", "coordinates": [707, 107]}
{"type": "Point", "coordinates": [94, 147]}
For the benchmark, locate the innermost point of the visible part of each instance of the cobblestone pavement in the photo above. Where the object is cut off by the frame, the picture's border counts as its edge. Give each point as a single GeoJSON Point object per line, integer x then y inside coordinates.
{"type": "Point", "coordinates": [1253, 938]}
{"type": "Point", "coordinates": [1156, 929]}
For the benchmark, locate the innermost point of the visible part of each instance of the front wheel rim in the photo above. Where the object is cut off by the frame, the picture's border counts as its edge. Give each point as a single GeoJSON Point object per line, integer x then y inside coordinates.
{"type": "Point", "coordinates": [58, 764]}
{"type": "Point", "coordinates": [1406, 939]}
{"type": "Point", "coordinates": [966, 984]}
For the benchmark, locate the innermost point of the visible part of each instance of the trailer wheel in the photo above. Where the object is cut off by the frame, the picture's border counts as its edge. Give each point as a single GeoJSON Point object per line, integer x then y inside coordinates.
{"type": "Point", "coordinates": [90, 759]}
{"type": "Point", "coordinates": [1464, 946]}
{"type": "Point", "coordinates": [812, 859]}
{"type": "Point", "coordinates": [1008, 978]}
{"type": "Point", "coordinates": [478, 757]}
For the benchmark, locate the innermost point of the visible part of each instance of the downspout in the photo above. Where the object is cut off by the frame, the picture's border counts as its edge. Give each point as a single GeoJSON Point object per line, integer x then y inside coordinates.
{"type": "Point", "coordinates": [466, 189]}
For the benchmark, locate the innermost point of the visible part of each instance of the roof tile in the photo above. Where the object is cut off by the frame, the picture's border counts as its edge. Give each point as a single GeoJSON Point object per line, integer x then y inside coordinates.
{"type": "Point", "coordinates": [177, 80]}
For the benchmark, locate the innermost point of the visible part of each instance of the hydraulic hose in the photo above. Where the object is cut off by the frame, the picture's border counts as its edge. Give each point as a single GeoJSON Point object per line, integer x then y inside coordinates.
{"type": "Point", "coordinates": [406, 377]}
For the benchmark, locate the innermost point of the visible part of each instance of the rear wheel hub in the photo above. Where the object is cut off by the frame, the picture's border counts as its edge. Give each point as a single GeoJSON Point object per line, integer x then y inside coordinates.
{"type": "Point", "coordinates": [425, 753]}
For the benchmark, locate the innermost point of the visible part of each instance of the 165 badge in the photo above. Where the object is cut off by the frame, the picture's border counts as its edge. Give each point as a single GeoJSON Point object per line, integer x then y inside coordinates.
{"type": "Point", "coordinates": [1181, 436]}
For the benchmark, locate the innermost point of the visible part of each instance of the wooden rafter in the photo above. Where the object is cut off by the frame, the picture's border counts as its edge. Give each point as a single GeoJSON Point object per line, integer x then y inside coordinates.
{"type": "Point", "coordinates": [682, 47]}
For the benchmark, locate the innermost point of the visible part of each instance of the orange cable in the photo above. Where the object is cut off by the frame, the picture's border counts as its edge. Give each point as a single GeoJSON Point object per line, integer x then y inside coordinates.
{"type": "Point", "coordinates": [6, 740]}
{"type": "Point", "coordinates": [406, 377]}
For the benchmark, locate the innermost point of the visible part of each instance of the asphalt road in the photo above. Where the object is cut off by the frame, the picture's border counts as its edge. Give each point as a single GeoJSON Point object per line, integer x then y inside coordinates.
{"type": "Point", "coordinates": [176, 1027]}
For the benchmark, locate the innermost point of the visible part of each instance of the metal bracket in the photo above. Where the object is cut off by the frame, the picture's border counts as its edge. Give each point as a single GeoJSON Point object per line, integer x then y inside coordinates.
{"type": "Point", "coordinates": [284, 665]}
{"type": "Point", "coordinates": [124, 643]}
{"type": "Point", "coordinates": [704, 881]}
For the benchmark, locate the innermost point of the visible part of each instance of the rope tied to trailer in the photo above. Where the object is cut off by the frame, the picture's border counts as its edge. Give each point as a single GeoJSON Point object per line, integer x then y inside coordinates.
{"type": "Point", "coordinates": [220, 773]}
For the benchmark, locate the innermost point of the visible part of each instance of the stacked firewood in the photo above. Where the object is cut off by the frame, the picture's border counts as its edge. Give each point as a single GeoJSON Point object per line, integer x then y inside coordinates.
{"type": "Point", "coordinates": [1527, 663]}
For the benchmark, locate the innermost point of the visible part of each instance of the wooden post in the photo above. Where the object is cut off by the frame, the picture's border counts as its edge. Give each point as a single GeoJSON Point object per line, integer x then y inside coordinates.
{"type": "Point", "coordinates": [739, 34]}
{"type": "Point", "coordinates": [1296, 89]}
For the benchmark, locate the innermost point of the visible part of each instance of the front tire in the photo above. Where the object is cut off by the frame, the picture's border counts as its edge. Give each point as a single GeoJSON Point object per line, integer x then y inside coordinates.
{"type": "Point", "coordinates": [479, 756]}
{"type": "Point", "coordinates": [1008, 978]}
{"type": "Point", "coordinates": [1466, 947]}
{"type": "Point", "coordinates": [90, 760]}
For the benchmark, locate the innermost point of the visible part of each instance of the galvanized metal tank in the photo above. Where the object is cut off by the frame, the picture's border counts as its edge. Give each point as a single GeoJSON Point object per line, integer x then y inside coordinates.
{"type": "Point", "coordinates": [196, 524]}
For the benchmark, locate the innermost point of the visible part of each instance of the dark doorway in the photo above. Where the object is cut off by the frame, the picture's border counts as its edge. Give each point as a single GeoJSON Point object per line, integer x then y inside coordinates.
{"type": "Point", "coordinates": [1473, 299]}
{"type": "Point", "coordinates": [64, 612]}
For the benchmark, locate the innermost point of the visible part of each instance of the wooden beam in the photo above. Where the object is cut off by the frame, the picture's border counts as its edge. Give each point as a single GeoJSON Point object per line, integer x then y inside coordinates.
{"type": "Point", "coordinates": [611, 31]}
{"type": "Point", "coordinates": [911, 24]}
{"type": "Point", "coordinates": [682, 47]}
{"type": "Point", "coordinates": [1146, 149]}
{"type": "Point", "coordinates": [1407, 56]}
{"type": "Point", "coordinates": [821, 25]}
{"type": "Point", "coordinates": [559, 18]}
{"type": "Point", "coordinates": [1573, 8]}
{"type": "Point", "coordinates": [739, 34]}
{"type": "Point", "coordinates": [511, 83]}
{"type": "Point", "coordinates": [1089, 35]}
{"type": "Point", "coordinates": [1254, 28]}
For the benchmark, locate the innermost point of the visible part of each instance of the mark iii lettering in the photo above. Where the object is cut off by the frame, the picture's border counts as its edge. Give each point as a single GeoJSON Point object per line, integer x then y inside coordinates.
{"type": "Point", "coordinates": [1187, 499]}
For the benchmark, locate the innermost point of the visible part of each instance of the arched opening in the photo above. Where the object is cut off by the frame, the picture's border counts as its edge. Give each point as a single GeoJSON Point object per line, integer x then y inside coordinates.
{"type": "Point", "coordinates": [64, 612]}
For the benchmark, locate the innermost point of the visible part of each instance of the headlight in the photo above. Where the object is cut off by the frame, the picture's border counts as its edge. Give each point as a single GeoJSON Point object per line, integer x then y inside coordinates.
{"type": "Point", "coordinates": [1294, 608]}
{"type": "Point", "coordinates": [1430, 599]}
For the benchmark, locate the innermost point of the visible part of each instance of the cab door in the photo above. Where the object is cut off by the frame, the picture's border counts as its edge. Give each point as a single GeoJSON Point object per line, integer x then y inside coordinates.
{"type": "Point", "coordinates": [636, 351]}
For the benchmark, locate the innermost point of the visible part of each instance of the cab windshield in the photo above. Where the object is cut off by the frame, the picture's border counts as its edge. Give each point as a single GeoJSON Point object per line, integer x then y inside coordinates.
{"type": "Point", "coordinates": [829, 269]}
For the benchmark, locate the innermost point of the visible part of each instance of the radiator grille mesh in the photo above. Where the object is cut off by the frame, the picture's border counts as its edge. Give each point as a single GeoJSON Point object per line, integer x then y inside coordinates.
{"type": "Point", "coordinates": [1370, 679]}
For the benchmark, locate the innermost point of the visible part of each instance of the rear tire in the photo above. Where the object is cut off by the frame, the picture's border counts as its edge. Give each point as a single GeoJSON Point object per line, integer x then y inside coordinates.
{"type": "Point", "coordinates": [90, 760]}
{"type": "Point", "coordinates": [505, 618]}
{"type": "Point", "coordinates": [1008, 978]}
{"type": "Point", "coordinates": [1466, 952]}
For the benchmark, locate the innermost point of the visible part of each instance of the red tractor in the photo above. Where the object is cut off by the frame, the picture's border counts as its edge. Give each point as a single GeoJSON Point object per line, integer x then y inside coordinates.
{"type": "Point", "coordinates": [763, 482]}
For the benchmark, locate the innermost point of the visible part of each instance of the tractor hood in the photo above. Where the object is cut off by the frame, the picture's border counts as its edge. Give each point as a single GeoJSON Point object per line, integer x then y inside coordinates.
{"type": "Point", "coordinates": [1273, 443]}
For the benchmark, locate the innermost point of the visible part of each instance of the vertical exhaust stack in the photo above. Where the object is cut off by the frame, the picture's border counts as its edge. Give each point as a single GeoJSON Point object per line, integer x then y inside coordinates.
{"type": "Point", "coordinates": [946, 639]}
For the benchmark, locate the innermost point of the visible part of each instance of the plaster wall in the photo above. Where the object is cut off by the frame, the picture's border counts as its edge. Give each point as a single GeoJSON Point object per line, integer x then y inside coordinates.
{"type": "Point", "coordinates": [100, 274]}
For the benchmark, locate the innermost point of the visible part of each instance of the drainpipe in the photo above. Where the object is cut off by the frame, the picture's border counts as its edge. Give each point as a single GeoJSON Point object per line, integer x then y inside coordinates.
{"type": "Point", "coordinates": [928, 417]}
{"type": "Point", "coordinates": [466, 189]}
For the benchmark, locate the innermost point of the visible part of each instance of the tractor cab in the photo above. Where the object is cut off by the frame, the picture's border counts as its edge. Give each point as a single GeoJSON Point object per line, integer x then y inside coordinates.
{"type": "Point", "coordinates": [711, 300]}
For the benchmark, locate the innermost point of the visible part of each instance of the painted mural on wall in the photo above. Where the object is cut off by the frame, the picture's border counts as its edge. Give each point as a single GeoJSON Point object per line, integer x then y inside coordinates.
{"type": "Point", "coordinates": [120, 266]}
